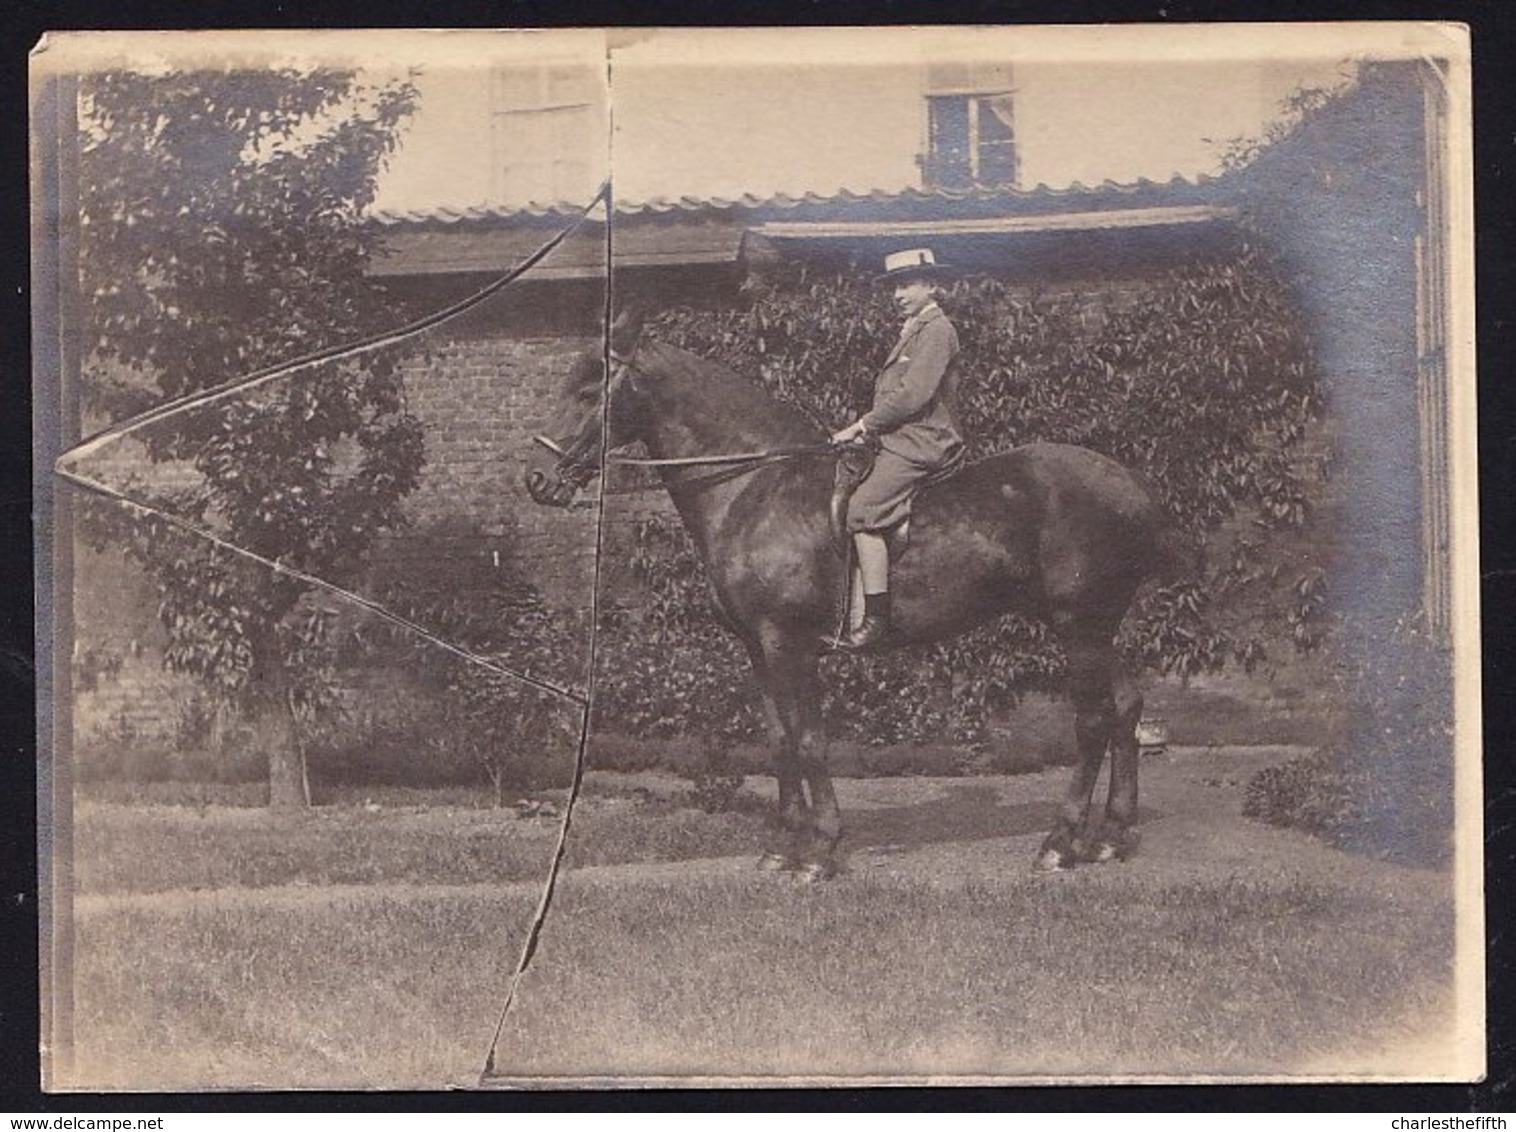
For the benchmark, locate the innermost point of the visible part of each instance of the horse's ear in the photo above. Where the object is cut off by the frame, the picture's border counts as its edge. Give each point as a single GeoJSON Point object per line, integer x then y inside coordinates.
{"type": "Point", "coordinates": [626, 330]}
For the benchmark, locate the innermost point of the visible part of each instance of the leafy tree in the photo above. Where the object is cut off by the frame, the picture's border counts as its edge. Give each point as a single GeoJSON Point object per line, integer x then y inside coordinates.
{"type": "Point", "coordinates": [1296, 108]}
{"type": "Point", "coordinates": [222, 231]}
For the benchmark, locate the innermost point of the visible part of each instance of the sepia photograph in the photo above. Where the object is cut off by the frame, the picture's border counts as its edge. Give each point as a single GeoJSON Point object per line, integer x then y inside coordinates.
{"type": "Point", "coordinates": [618, 558]}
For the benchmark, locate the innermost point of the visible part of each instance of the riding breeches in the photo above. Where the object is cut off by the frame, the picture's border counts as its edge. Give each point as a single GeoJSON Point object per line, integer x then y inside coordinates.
{"type": "Point", "coordinates": [883, 500]}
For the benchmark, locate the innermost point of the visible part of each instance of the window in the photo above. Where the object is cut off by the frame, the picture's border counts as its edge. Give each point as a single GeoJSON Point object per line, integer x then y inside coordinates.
{"type": "Point", "coordinates": [545, 122]}
{"type": "Point", "coordinates": [971, 136]}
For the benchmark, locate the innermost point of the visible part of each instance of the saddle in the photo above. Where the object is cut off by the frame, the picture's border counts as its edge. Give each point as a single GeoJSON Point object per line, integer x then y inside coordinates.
{"type": "Point", "coordinates": [854, 463]}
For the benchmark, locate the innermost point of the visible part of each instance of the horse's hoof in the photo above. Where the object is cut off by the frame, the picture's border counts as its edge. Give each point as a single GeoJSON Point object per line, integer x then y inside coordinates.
{"type": "Point", "coordinates": [1052, 861]}
{"type": "Point", "coordinates": [815, 872]}
{"type": "Point", "coordinates": [1106, 849]}
{"type": "Point", "coordinates": [1103, 853]}
{"type": "Point", "coordinates": [772, 862]}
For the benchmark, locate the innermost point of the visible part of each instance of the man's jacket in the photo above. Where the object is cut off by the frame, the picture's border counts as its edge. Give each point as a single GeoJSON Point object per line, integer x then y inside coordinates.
{"type": "Point", "coordinates": [915, 413]}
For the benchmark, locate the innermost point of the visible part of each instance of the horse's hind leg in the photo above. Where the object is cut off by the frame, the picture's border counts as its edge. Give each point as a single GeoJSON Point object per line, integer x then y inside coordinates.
{"type": "Point", "coordinates": [1116, 840]}
{"type": "Point", "coordinates": [1091, 659]}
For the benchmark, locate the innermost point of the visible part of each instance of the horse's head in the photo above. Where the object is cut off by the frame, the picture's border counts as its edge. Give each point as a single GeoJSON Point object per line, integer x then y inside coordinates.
{"type": "Point", "coordinates": [588, 405]}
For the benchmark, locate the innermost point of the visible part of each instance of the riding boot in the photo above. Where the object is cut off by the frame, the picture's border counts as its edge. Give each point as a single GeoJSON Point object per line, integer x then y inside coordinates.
{"type": "Point", "coordinates": [874, 628]}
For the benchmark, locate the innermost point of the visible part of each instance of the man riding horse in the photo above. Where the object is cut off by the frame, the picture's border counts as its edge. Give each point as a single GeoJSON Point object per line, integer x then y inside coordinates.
{"type": "Point", "coordinates": [914, 422]}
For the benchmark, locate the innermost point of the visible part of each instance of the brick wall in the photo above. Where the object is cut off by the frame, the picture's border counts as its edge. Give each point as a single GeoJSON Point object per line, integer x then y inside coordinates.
{"type": "Point", "coordinates": [481, 400]}
{"type": "Point", "coordinates": [121, 692]}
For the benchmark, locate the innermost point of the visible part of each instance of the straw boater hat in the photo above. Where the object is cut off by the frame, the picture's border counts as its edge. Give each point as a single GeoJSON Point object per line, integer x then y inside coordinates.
{"type": "Point", "coordinates": [916, 263]}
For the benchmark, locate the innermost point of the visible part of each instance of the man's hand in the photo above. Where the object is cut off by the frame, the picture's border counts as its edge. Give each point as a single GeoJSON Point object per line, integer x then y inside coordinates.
{"type": "Point", "coordinates": [847, 435]}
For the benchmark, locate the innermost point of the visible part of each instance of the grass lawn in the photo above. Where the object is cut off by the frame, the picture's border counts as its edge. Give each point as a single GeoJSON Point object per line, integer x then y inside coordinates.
{"type": "Point", "coordinates": [135, 849]}
{"type": "Point", "coordinates": [742, 974]}
{"type": "Point", "coordinates": [1078, 975]}
{"type": "Point", "coordinates": [354, 946]}
{"type": "Point", "coordinates": [345, 993]}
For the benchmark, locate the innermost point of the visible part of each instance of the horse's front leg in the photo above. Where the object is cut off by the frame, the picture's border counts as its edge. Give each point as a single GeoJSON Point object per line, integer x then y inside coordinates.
{"type": "Point", "coordinates": [803, 690]}
{"type": "Point", "coordinates": [783, 850]}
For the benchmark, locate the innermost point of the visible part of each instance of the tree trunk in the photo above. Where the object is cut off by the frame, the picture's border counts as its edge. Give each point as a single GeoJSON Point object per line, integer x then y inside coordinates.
{"type": "Point", "coordinates": [288, 787]}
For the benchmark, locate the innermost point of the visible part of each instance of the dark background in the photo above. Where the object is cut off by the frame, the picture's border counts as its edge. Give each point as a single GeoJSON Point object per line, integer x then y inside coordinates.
{"type": "Point", "coordinates": [1494, 46]}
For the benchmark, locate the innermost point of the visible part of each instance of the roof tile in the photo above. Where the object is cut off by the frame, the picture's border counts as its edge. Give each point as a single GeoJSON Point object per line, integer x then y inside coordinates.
{"type": "Point", "coordinates": [663, 205]}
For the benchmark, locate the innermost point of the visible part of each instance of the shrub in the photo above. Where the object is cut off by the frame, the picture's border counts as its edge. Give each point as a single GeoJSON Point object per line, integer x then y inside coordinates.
{"type": "Point", "coordinates": [1310, 793]}
{"type": "Point", "coordinates": [718, 792]}
{"type": "Point", "coordinates": [667, 664]}
{"type": "Point", "coordinates": [478, 724]}
{"type": "Point", "coordinates": [393, 738]}
{"type": "Point", "coordinates": [1203, 382]}
{"type": "Point", "coordinates": [103, 759]}
{"type": "Point", "coordinates": [198, 752]}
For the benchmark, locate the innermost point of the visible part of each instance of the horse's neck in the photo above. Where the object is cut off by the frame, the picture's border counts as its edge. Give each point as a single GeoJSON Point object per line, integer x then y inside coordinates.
{"type": "Point", "coordinates": [697, 408]}
{"type": "Point", "coordinates": [701, 409]}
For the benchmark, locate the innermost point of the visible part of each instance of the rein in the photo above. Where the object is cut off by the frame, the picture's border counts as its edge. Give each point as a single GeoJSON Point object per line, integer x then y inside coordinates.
{"type": "Point", "coordinates": [767, 455]}
{"type": "Point", "coordinates": [772, 455]}
{"type": "Point", "coordinates": [731, 464]}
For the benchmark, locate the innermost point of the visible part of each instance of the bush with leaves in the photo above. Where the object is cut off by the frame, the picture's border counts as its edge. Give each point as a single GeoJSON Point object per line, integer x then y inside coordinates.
{"type": "Point", "coordinates": [1310, 792]}
{"type": "Point", "coordinates": [1203, 383]}
{"type": "Point", "coordinates": [666, 663]}
{"type": "Point", "coordinates": [469, 590]}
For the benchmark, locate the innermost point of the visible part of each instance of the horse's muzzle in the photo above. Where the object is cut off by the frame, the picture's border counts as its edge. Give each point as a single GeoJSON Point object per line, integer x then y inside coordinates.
{"type": "Point", "coordinates": [550, 489]}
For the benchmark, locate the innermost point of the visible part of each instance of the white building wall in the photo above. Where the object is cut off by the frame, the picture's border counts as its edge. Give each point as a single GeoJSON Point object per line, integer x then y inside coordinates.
{"type": "Point", "coordinates": [723, 114]}
{"type": "Point", "coordinates": [775, 128]}
{"type": "Point", "coordinates": [450, 150]}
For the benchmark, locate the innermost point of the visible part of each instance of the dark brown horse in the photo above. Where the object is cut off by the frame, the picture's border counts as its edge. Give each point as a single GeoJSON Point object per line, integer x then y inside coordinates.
{"type": "Point", "coordinates": [1054, 531]}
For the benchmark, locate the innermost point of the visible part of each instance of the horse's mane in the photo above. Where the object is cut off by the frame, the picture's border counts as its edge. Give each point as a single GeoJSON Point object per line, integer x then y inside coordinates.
{"type": "Point", "coordinates": [728, 394]}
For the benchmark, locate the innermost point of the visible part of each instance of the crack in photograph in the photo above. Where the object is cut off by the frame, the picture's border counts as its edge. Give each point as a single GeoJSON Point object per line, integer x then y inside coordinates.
{"type": "Point", "coordinates": [624, 558]}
